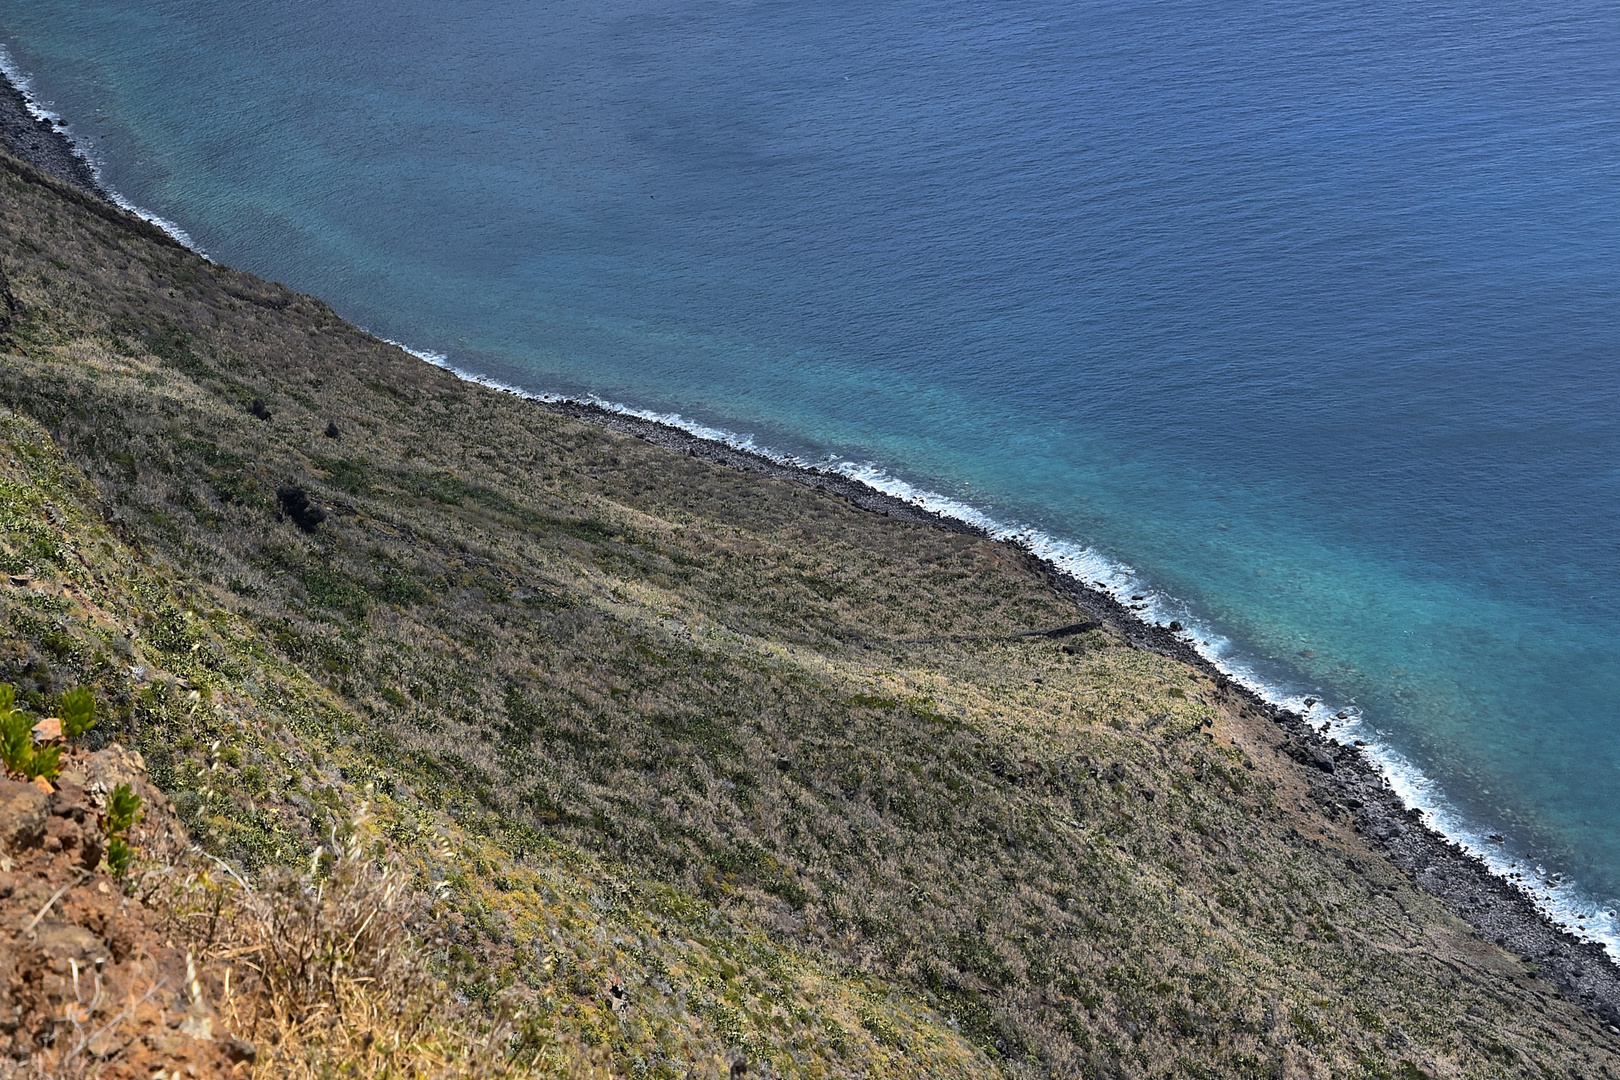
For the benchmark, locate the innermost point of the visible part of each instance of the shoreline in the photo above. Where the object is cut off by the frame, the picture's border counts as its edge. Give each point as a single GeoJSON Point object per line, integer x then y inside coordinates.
{"type": "Point", "coordinates": [1346, 784]}
{"type": "Point", "coordinates": [41, 140]}
{"type": "Point", "coordinates": [43, 144]}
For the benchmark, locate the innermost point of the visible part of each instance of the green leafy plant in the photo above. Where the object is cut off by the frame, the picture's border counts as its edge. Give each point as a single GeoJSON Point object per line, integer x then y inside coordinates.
{"type": "Point", "coordinates": [77, 709]}
{"type": "Point", "coordinates": [123, 810]}
{"type": "Point", "coordinates": [119, 855]}
{"type": "Point", "coordinates": [45, 761]}
{"type": "Point", "coordinates": [17, 750]}
{"type": "Point", "coordinates": [16, 736]}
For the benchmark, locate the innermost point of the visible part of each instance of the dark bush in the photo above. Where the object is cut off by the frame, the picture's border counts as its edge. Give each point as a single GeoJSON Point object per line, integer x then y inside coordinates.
{"type": "Point", "coordinates": [296, 504]}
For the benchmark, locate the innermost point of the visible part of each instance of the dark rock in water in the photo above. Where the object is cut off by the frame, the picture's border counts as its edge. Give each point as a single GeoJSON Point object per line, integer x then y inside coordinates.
{"type": "Point", "coordinates": [1138, 598]}
{"type": "Point", "coordinates": [295, 502]}
{"type": "Point", "coordinates": [1175, 627]}
{"type": "Point", "coordinates": [332, 431]}
{"type": "Point", "coordinates": [1309, 702]}
{"type": "Point", "coordinates": [259, 409]}
{"type": "Point", "coordinates": [1341, 716]}
{"type": "Point", "coordinates": [1496, 838]}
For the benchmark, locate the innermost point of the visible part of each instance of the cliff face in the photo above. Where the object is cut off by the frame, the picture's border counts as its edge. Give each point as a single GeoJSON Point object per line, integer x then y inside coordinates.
{"type": "Point", "coordinates": [692, 765]}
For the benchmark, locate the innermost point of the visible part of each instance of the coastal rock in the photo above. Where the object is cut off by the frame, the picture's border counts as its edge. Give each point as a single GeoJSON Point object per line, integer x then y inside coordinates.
{"type": "Point", "coordinates": [24, 809]}
{"type": "Point", "coordinates": [42, 144]}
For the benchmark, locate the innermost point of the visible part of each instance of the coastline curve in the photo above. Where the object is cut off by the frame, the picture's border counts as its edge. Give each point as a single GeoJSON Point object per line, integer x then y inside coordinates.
{"type": "Point", "coordinates": [1382, 796]}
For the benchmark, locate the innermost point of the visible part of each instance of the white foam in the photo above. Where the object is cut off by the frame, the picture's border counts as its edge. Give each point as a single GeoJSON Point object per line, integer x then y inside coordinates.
{"type": "Point", "coordinates": [39, 111]}
{"type": "Point", "coordinates": [440, 360]}
{"type": "Point", "coordinates": [1560, 901]}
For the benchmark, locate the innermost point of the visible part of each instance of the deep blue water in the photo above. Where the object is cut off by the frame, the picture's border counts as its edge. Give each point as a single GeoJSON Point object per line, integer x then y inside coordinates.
{"type": "Point", "coordinates": [1309, 314]}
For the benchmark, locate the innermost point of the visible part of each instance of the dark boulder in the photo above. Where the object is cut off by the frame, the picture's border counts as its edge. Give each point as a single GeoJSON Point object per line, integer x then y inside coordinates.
{"type": "Point", "coordinates": [24, 811]}
{"type": "Point", "coordinates": [8, 303]}
{"type": "Point", "coordinates": [332, 431]}
{"type": "Point", "coordinates": [259, 409]}
{"type": "Point", "coordinates": [296, 504]}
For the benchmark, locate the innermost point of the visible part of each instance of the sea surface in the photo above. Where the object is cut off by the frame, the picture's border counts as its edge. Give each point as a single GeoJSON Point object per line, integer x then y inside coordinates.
{"type": "Point", "coordinates": [1300, 321]}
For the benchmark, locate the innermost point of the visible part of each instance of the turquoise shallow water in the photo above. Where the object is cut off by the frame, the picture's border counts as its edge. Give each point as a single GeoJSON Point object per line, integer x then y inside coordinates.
{"type": "Point", "coordinates": [1303, 318]}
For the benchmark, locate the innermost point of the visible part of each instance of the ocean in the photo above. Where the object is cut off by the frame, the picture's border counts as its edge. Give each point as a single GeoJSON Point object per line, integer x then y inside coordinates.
{"type": "Point", "coordinates": [1301, 322]}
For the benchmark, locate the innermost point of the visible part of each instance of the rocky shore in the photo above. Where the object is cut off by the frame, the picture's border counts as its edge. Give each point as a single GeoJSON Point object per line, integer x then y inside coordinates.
{"type": "Point", "coordinates": [42, 144]}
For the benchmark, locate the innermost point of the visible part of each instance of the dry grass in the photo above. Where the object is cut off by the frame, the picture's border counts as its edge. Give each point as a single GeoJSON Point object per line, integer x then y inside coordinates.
{"type": "Point", "coordinates": [321, 973]}
{"type": "Point", "coordinates": [330, 979]}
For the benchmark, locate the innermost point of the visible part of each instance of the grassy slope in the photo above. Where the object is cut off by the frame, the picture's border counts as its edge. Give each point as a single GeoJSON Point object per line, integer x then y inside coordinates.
{"type": "Point", "coordinates": [646, 717]}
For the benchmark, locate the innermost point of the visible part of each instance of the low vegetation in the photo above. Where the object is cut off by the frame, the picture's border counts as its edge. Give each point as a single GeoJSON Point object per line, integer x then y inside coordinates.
{"type": "Point", "coordinates": [667, 770]}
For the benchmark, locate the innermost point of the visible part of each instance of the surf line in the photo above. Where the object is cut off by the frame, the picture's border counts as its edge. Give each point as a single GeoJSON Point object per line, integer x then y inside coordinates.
{"type": "Point", "coordinates": [1558, 901]}
{"type": "Point", "coordinates": [60, 132]}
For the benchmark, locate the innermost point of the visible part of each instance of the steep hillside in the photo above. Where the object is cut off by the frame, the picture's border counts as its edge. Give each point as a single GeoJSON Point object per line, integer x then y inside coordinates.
{"type": "Point", "coordinates": [688, 765]}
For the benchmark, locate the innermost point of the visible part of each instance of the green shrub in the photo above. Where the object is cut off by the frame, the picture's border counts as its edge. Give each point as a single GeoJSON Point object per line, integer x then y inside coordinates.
{"type": "Point", "coordinates": [17, 750]}
{"type": "Point", "coordinates": [16, 731]}
{"type": "Point", "coordinates": [45, 761]}
{"type": "Point", "coordinates": [123, 810]}
{"type": "Point", "coordinates": [77, 709]}
{"type": "Point", "coordinates": [119, 856]}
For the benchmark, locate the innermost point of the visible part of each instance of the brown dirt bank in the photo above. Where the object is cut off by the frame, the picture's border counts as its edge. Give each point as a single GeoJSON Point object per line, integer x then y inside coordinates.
{"type": "Point", "coordinates": [92, 982]}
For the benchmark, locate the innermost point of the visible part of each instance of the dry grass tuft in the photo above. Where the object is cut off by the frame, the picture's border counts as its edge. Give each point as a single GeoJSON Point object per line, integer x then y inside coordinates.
{"type": "Point", "coordinates": [325, 973]}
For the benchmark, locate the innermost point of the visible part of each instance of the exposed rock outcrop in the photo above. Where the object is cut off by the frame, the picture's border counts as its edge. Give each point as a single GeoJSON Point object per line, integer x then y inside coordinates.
{"type": "Point", "coordinates": [90, 980]}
